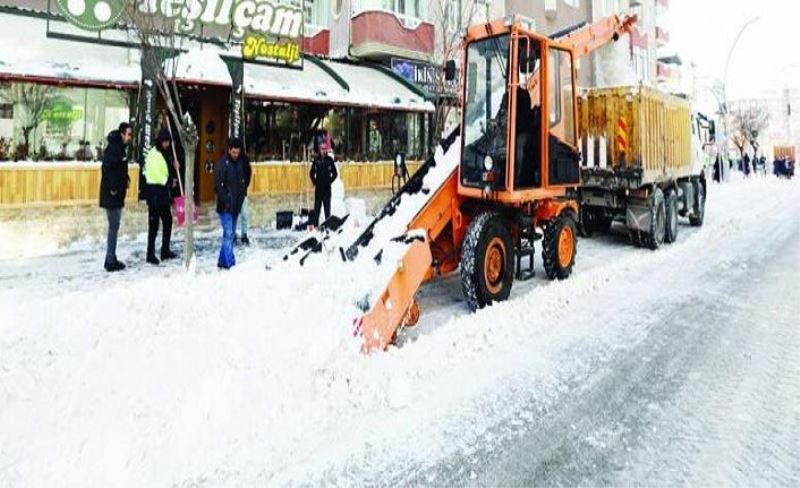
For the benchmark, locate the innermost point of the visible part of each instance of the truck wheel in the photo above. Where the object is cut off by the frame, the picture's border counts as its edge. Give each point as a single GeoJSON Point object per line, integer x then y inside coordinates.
{"type": "Point", "coordinates": [487, 261]}
{"type": "Point", "coordinates": [635, 237]}
{"type": "Point", "coordinates": [559, 247]}
{"type": "Point", "coordinates": [671, 234]}
{"type": "Point", "coordinates": [654, 238]}
{"type": "Point", "coordinates": [699, 205]}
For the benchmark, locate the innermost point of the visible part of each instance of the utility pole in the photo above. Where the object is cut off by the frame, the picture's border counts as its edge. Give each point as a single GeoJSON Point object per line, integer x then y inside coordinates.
{"type": "Point", "coordinates": [726, 107]}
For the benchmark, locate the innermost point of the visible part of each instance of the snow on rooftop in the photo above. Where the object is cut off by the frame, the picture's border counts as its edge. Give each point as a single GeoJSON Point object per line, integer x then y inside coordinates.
{"type": "Point", "coordinates": [26, 51]}
{"type": "Point", "coordinates": [199, 65]}
{"type": "Point", "coordinates": [310, 83]}
{"type": "Point", "coordinates": [371, 87]}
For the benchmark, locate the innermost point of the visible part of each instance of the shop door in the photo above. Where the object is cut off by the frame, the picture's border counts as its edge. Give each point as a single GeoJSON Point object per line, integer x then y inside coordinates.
{"type": "Point", "coordinates": [213, 131]}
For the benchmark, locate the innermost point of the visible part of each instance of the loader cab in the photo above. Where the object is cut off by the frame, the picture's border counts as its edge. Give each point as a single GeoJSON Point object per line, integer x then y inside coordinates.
{"type": "Point", "coordinates": [519, 134]}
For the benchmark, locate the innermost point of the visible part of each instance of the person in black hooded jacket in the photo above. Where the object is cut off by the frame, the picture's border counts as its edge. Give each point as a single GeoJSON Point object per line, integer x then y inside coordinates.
{"type": "Point", "coordinates": [114, 181]}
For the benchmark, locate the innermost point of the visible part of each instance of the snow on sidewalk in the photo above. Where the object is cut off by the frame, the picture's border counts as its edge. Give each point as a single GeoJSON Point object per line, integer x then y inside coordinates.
{"type": "Point", "coordinates": [251, 377]}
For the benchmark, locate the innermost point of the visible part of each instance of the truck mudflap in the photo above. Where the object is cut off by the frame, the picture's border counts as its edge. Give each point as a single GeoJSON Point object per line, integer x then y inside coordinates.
{"type": "Point", "coordinates": [638, 216]}
{"type": "Point", "coordinates": [395, 306]}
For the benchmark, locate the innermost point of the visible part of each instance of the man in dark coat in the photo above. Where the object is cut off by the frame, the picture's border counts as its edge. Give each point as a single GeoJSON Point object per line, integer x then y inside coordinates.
{"type": "Point", "coordinates": [229, 184]}
{"type": "Point", "coordinates": [114, 181]}
{"type": "Point", "coordinates": [323, 173]}
{"type": "Point", "coordinates": [162, 178]}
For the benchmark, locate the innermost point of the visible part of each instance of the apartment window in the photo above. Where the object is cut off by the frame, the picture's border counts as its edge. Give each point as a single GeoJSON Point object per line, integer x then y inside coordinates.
{"type": "Point", "coordinates": [482, 11]}
{"type": "Point", "coordinates": [316, 12]}
{"type": "Point", "coordinates": [410, 8]}
{"type": "Point", "coordinates": [640, 63]}
{"type": "Point", "coordinates": [453, 11]}
{"type": "Point", "coordinates": [609, 7]}
{"type": "Point", "coordinates": [6, 111]}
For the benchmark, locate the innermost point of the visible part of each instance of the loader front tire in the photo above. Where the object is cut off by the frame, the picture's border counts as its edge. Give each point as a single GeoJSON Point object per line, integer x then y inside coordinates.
{"type": "Point", "coordinates": [487, 261]}
{"type": "Point", "coordinates": [559, 247]}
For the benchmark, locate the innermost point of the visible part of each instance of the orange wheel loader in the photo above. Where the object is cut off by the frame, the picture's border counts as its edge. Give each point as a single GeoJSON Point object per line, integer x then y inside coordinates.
{"type": "Point", "coordinates": [519, 158]}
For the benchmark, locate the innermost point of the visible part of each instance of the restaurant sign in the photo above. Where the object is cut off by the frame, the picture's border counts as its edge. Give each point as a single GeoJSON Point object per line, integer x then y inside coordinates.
{"type": "Point", "coordinates": [270, 29]}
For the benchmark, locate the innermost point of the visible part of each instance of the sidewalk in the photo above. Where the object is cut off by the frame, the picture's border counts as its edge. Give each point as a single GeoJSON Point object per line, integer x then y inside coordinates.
{"type": "Point", "coordinates": [81, 263]}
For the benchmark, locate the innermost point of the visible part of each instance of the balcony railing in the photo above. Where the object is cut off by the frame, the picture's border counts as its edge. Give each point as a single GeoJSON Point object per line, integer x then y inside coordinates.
{"type": "Point", "coordinates": [638, 39]}
{"type": "Point", "coordinates": [381, 33]}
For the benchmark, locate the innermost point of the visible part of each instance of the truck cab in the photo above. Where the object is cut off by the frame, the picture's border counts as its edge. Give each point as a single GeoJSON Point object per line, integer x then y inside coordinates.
{"type": "Point", "coordinates": [519, 130]}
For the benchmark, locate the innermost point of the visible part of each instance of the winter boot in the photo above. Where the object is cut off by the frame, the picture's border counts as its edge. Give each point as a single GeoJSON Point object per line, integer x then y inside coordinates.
{"type": "Point", "coordinates": [167, 254]}
{"type": "Point", "coordinates": [245, 240]}
{"type": "Point", "coordinates": [152, 259]}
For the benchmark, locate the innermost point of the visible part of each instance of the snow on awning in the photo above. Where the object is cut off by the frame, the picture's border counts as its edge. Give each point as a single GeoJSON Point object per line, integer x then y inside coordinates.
{"type": "Point", "coordinates": [374, 88]}
{"type": "Point", "coordinates": [27, 53]}
{"type": "Point", "coordinates": [311, 84]}
{"type": "Point", "coordinates": [202, 66]}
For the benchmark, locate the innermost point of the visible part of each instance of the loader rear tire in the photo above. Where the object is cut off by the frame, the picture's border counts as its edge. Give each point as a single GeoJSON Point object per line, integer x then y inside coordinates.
{"type": "Point", "coordinates": [559, 247]}
{"type": "Point", "coordinates": [487, 261]}
{"type": "Point", "coordinates": [671, 234]}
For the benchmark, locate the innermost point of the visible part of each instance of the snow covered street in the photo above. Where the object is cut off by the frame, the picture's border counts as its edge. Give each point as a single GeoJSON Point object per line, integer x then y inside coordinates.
{"type": "Point", "coordinates": [680, 366]}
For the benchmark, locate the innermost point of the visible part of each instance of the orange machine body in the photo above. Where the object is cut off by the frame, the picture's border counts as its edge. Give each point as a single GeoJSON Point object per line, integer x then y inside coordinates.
{"type": "Point", "coordinates": [445, 219]}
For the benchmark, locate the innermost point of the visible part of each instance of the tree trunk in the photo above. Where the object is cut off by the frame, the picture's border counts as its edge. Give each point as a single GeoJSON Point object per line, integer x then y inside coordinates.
{"type": "Point", "coordinates": [189, 138]}
{"type": "Point", "coordinates": [188, 242]}
{"type": "Point", "coordinates": [26, 135]}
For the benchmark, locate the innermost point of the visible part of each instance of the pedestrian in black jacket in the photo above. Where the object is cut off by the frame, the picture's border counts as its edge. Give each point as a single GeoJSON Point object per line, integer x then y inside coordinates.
{"type": "Point", "coordinates": [114, 181]}
{"type": "Point", "coordinates": [323, 173]}
{"type": "Point", "coordinates": [229, 184]}
{"type": "Point", "coordinates": [161, 179]}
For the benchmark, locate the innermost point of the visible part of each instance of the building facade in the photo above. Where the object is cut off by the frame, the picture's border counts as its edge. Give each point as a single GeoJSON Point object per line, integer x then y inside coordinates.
{"type": "Point", "coordinates": [68, 88]}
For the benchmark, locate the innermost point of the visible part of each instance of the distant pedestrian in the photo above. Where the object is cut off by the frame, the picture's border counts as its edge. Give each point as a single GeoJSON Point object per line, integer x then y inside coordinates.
{"type": "Point", "coordinates": [114, 182]}
{"type": "Point", "coordinates": [323, 173]}
{"type": "Point", "coordinates": [243, 222]}
{"type": "Point", "coordinates": [160, 177]}
{"type": "Point", "coordinates": [229, 178]}
{"type": "Point", "coordinates": [746, 164]}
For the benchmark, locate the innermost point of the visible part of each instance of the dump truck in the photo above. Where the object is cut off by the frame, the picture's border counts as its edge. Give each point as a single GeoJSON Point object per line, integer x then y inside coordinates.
{"type": "Point", "coordinates": [643, 163]}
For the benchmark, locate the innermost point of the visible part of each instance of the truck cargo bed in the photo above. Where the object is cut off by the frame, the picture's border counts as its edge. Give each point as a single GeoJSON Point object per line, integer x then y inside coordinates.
{"type": "Point", "coordinates": [634, 136]}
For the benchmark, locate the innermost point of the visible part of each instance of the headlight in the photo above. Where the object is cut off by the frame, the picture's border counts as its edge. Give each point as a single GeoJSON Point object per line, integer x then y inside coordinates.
{"type": "Point", "coordinates": [488, 163]}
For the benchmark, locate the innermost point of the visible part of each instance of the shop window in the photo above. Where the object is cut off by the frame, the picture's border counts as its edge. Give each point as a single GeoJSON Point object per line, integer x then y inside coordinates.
{"type": "Point", "coordinates": [61, 123]}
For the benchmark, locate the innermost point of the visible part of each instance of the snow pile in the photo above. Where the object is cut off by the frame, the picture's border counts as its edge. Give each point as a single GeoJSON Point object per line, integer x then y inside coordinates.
{"type": "Point", "coordinates": [365, 275]}
{"type": "Point", "coordinates": [252, 378]}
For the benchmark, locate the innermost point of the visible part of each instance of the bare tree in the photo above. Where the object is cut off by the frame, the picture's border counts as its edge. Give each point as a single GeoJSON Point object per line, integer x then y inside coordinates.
{"type": "Point", "coordinates": [449, 17]}
{"type": "Point", "coordinates": [160, 42]}
{"type": "Point", "coordinates": [747, 123]}
{"type": "Point", "coordinates": [32, 101]}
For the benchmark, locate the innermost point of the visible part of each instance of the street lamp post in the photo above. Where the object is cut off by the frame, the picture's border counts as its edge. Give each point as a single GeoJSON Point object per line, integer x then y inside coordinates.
{"type": "Point", "coordinates": [726, 110]}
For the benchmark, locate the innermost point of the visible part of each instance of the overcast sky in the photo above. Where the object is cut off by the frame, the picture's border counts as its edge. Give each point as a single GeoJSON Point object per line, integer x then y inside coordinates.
{"type": "Point", "coordinates": [767, 58]}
